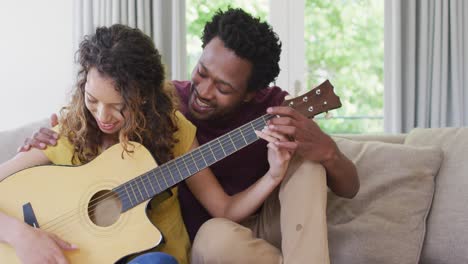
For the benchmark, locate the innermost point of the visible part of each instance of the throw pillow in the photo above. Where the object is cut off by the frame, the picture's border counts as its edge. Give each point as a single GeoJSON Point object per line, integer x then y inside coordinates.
{"type": "Point", "coordinates": [385, 222]}
{"type": "Point", "coordinates": [447, 232]}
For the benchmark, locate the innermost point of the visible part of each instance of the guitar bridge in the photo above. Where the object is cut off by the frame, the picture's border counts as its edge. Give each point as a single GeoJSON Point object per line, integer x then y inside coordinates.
{"type": "Point", "coordinates": [29, 216]}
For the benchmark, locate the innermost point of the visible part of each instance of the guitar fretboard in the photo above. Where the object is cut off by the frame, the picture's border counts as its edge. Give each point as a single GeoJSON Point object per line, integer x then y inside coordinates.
{"type": "Point", "coordinates": [169, 174]}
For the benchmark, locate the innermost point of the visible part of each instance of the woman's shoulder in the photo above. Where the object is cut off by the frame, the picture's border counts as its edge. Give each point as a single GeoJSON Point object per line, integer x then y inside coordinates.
{"type": "Point", "coordinates": [184, 135]}
{"type": "Point", "coordinates": [181, 121]}
{"type": "Point", "coordinates": [62, 152]}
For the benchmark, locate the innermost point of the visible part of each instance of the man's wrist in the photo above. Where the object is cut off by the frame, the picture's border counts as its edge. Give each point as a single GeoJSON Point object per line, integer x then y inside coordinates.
{"type": "Point", "coordinates": [331, 158]}
{"type": "Point", "coordinates": [274, 180]}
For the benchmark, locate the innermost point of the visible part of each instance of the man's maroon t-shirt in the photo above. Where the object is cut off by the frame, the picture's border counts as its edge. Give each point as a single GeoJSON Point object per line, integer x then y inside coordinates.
{"type": "Point", "coordinates": [236, 172]}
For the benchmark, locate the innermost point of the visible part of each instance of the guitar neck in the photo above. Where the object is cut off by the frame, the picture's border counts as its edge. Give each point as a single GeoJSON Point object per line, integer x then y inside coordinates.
{"type": "Point", "coordinates": [316, 101]}
{"type": "Point", "coordinates": [171, 173]}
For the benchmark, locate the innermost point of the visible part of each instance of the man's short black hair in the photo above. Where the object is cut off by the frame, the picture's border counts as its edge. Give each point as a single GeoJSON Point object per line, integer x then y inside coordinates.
{"type": "Point", "coordinates": [250, 39]}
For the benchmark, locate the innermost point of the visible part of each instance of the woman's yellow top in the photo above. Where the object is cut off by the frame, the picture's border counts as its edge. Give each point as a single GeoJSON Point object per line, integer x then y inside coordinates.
{"type": "Point", "coordinates": [164, 214]}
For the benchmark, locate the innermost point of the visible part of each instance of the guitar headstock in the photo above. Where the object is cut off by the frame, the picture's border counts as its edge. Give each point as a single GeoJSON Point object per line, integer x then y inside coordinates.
{"type": "Point", "coordinates": [318, 100]}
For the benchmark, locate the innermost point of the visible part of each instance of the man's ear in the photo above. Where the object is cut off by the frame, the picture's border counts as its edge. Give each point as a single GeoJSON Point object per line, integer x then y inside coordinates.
{"type": "Point", "coordinates": [249, 96]}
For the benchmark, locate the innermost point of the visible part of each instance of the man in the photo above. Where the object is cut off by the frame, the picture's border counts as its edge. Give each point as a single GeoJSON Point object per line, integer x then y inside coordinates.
{"type": "Point", "coordinates": [228, 89]}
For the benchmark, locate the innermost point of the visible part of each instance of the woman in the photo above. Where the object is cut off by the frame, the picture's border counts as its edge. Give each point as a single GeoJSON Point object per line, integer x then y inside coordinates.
{"type": "Point", "coordinates": [121, 96]}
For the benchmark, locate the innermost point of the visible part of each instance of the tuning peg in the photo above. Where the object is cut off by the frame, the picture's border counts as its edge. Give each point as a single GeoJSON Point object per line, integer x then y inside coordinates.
{"type": "Point", "coordinates": [328, 115]}
{"type": "Point", "coordinates": [289, 97]}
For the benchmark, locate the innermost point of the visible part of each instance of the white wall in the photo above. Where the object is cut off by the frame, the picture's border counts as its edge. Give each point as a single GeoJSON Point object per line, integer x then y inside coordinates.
{"type": "Point", "coordinates": [36, 59]}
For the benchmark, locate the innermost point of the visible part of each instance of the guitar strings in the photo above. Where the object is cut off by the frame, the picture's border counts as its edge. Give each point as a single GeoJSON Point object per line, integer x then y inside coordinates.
{"type": "Point", "coordinates": [217, 149]}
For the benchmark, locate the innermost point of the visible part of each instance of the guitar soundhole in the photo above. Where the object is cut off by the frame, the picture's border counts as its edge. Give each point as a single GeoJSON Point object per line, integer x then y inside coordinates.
{"type": "Point", "coordinates": [104, 208]}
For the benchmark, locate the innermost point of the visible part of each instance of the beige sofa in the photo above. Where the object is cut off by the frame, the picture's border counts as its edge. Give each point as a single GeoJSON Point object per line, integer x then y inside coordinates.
{"type": "Point", "coordinates": [413, 202]}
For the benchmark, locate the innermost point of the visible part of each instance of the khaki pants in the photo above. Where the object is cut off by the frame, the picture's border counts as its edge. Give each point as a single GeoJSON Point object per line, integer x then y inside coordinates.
{"type": "Point", "coordinates": [292, 219]}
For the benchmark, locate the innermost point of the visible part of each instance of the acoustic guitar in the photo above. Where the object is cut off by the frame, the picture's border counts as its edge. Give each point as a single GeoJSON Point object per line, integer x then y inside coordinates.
{"type": "Point", "coordinates": [101, 206]}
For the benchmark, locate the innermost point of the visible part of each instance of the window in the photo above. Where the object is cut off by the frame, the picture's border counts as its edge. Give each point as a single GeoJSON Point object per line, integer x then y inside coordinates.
{"type": "Point", "coordinates": [344, 43]}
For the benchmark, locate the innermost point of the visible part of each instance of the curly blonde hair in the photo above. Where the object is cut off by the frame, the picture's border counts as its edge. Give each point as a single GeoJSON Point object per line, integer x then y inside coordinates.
{"type": "Point", "coordinates": [130, 59]}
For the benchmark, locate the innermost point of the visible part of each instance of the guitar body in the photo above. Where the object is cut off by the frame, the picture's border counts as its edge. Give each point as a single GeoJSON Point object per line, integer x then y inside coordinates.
{"type": "Point", "coordinates": [61, 197]}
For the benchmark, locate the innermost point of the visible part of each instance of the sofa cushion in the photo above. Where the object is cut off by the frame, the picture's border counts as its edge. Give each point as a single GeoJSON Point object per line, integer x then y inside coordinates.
{"type": "Point", "coordinates": [385, 222]}
{"type": "Point", "coordinates": [10, 140]}
{"type": "Point", "coordinates": [447, 224]}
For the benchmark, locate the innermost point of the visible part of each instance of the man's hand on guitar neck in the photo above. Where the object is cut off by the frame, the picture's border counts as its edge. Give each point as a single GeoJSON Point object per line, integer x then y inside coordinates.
{"type": "Point", "coordinates": [306, 137]}
{"type": "Point", "coordinates": [311, 143]}
{"type": "Point", "coordinates": [42, 138]}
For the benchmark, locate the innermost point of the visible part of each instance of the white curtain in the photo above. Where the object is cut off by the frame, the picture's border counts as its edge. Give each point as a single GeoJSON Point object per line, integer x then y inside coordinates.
{"type": "Point", "coordinates": [426, 64]}
{"type": "Point", "coordinates": [162, 20]}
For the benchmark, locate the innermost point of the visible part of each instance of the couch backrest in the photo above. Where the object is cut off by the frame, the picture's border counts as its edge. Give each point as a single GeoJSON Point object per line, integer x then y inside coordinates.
{"type": "Point", "coordinates": [387, 138]}
{"type": "Point", "coordinates": [10, 140]}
